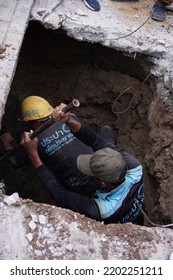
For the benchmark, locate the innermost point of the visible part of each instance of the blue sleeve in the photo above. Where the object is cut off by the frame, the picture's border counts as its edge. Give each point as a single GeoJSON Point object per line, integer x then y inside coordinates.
{"type": "Point", "coordinates": [65, 198]}
{"type": "Point", "coordinates": [92, 139]}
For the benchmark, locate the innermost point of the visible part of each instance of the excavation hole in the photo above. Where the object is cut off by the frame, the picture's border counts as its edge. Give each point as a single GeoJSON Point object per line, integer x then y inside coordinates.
{"type": "Point", "coordinates": [112, 89]}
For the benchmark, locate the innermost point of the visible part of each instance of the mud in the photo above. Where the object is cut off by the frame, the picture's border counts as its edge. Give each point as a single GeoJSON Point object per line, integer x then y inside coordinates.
{"type": "Point", "coordinates": [113, 89]}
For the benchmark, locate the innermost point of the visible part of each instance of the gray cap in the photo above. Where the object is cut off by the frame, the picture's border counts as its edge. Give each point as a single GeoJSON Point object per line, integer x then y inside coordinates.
{"type": "Point", "coordinates": [105, 164]}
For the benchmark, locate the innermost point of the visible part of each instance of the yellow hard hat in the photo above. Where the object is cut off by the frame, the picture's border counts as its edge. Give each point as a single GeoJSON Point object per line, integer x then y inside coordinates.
{"type": "Point", "coordinates": [35, 108]}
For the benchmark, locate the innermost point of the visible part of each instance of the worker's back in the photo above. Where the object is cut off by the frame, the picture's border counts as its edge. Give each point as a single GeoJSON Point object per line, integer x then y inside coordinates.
{"type": "Point", "coordinates": [59, 149]}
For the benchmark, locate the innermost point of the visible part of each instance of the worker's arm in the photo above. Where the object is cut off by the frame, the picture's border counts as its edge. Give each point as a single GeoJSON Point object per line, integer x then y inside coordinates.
{"type": "Point", "coordinates": [92, 139]}
{"type": "Point", "coordinates": [31, 149]}
{"type": "Point", "coordinates": [7, 140]}
{"type": "Point", "coordinates": [11, 128]}
{"type": "Point", "coordinates": [63, 197]}
{"type": "Point", "coordinates": [67, 118]}
{"type": "Point", "coordinates": [16, 156]}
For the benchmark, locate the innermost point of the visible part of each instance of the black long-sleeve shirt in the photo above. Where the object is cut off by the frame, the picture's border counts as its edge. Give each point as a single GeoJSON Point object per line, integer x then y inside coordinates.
{"type": "Point", "coordinates": [58, 148]}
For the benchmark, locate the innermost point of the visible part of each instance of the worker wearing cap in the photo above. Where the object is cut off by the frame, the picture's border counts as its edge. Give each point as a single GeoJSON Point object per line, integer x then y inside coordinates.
{"type": "Point", "coordinates": [58, 148]}
{"type": "Point", "coordinates": [117, 173]}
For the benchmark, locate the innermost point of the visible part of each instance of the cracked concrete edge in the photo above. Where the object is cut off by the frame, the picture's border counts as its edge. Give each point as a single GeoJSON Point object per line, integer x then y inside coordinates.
{"type": "Point", "coordinates": [79, 23]}
{"type": "Point", "coordinates": [11, 41]}
{"type": "Point", "coordinates": [82, 25]}
{"type": "Point", "coordinates": [152, 40]}
{"type": "Point", "coordinates": [38, 231]}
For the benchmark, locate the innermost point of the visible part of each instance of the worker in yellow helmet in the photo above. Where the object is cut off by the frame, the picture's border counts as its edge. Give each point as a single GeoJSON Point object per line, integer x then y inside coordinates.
{"type": "Point", "coordinates": [35, 108]}
{"type": "Point", "coordinates": [58, 147]}
{"type": "Point", "coordinates": [119, 177]}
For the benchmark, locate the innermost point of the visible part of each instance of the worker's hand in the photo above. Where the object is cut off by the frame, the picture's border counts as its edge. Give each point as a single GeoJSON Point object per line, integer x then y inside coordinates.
{"type": "Point", "coordinates": [31, 148]}
{"type": "Point", "coordinates": [60, 107]}
{"type": "Point", "coordinates": [28, 144]}
{"type": "Point", "coordinates": [58, 113]}
{"type": "Point", "coordinates": [7, 140]}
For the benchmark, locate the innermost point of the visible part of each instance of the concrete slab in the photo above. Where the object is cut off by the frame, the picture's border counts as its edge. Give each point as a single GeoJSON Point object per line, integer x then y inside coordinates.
{"type": "Point", "coordinates": [126, 26]}
{"type": "Point", "coordinates": [14, 16]}
{"type": "Point", "coordinates": [32, 231]}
